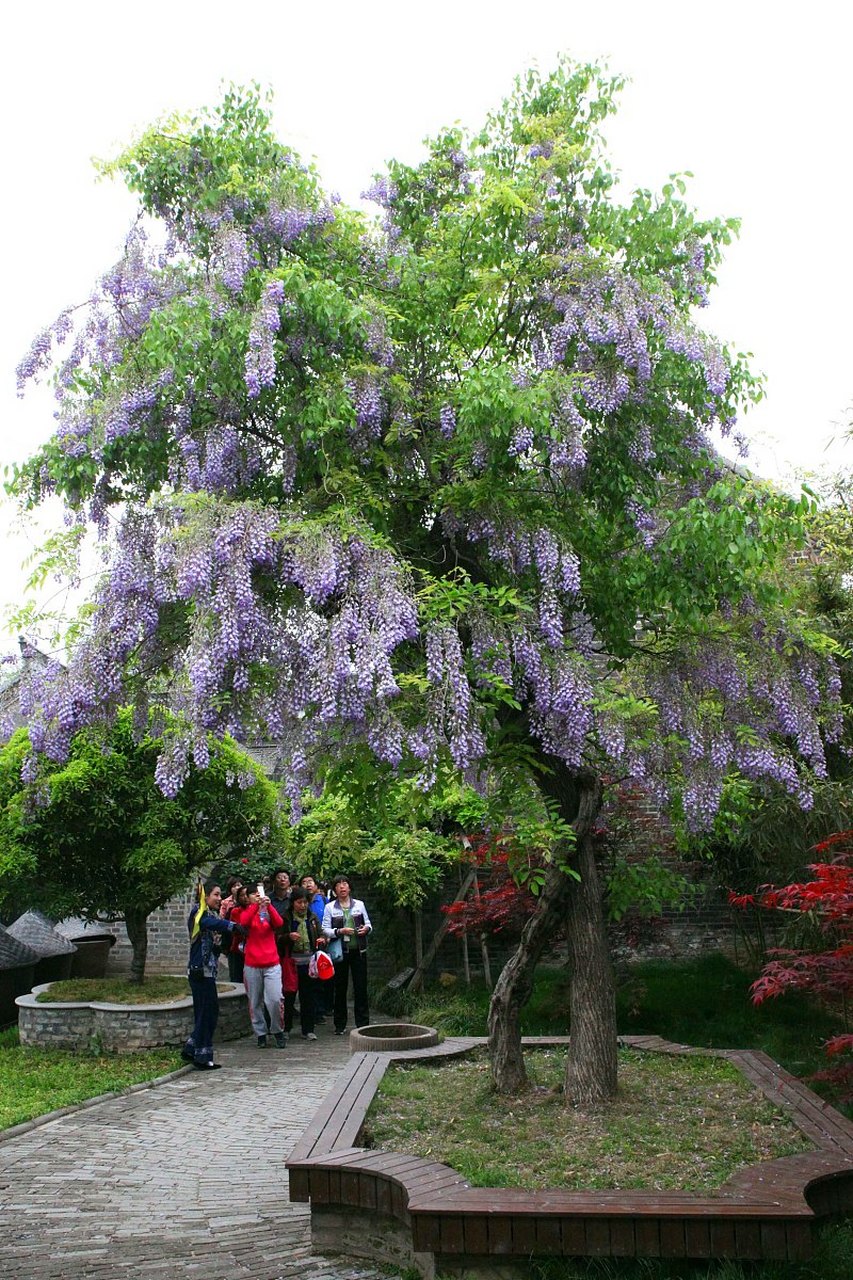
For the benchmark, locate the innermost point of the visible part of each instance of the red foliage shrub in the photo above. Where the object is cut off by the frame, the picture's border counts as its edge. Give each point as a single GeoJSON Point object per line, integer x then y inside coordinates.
{"type": "Point", "coordinates": [500, 905]}
{"type": "Point", "coordinates": [826, 973]}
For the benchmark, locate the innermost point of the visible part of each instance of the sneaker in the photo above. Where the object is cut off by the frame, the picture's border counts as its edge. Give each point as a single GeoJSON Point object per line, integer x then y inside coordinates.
{"type": "Point", "coordinates": [208, 1066]}
{"type": "Point", "coordinates": [262, 1042]}
{"type": "Point", "coordinates": [341, 1032]}
{"type": "Point", "coordinates": [280, 1040]}
{"type": "Point", "coordinates": [309, 1036]}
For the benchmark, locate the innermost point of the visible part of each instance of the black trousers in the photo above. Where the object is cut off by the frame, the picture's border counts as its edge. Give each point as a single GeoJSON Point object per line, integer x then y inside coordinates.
{"type": "Point", "coordinates": [324, 997]}
{"type": "Point", "coordinates": [355, 963]}
{"type": "Point", "coordinates": [306, 1002]}
{"type": "Point", "coordinates": [205, 1018]}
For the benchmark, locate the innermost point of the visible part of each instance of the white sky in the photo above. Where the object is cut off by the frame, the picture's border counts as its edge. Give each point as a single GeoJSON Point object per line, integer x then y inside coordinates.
{"type": "Point", "coordinates": [753, 97]}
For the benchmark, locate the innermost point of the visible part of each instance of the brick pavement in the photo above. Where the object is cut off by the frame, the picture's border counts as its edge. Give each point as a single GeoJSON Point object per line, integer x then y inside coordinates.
{"type": "Point", "coordinates": [183, 1180]}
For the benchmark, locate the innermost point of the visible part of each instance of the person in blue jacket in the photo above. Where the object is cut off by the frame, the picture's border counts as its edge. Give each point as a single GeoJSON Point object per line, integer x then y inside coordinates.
{"type": "Point", "coordinates": [206, 927]}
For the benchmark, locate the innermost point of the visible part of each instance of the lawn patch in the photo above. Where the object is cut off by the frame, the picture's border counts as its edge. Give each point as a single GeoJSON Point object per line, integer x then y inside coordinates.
{"type": "Point", "coordinates": [158, 990]}
{"type": "Point", "coordinates": [677, 1123]}
{"type": "Point", "coordinates": [36, 1081]}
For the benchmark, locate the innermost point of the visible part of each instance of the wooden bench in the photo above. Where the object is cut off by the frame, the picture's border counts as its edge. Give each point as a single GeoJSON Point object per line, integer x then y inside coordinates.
{"type": "Point", "coordinates": [765, 1211]}
{"type": "Point", "coordinates": [328, 1144]}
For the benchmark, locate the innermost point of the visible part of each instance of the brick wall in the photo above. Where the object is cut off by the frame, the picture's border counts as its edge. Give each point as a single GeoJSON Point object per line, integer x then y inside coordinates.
{"type": "Point", "coordinates": [168, 943]}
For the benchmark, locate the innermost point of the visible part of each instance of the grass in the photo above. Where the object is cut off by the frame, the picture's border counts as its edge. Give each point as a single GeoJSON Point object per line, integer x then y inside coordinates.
{"type": "Point", "coordinates": [35, 1081]}
{"type": "Point", "coordinates": [703, 1002]}
{"type": "Point", "coordinates": [677, 1124]}
{"type": "Point", "coordinates": [156, 990]}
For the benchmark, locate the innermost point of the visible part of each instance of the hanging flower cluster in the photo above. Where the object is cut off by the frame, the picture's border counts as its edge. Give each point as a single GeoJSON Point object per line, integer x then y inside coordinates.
{"type": "Point", "coordinates": [307, 423]}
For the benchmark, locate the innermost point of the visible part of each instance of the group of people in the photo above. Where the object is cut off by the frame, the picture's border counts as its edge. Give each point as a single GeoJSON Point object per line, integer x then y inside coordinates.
{"type": "Point", "coordinates": [270, 932]}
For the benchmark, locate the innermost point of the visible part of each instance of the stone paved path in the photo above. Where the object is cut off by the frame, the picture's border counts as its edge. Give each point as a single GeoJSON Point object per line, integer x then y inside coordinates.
{"type": "Point", "coordinates": [183, 1180]}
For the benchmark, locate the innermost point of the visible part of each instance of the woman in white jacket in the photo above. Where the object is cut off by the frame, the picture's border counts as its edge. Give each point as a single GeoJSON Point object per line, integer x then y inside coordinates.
{"type": "Point", "coordinates": [346, 924]}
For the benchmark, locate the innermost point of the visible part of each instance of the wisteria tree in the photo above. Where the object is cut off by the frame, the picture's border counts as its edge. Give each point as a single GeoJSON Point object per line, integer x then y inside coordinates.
{"type": "Point", "coordinates": [440, 485]}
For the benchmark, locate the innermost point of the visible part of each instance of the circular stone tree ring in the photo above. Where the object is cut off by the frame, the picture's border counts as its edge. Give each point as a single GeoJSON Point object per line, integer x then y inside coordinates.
{"type": "Point", "coordinates": [392, 1037]}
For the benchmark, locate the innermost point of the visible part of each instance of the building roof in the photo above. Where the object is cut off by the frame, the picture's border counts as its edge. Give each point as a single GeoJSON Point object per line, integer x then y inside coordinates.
{"type": "Point", "coordinates": [15, 954]}
{"type": "Point", "coordinates": [36, 931]}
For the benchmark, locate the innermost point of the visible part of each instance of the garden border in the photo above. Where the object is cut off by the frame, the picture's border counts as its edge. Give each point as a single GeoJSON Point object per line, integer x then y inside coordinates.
{"type": "Point", "coordinates": [122, 1027]}
{"type": "Point", "coordinates": [404, 1209]}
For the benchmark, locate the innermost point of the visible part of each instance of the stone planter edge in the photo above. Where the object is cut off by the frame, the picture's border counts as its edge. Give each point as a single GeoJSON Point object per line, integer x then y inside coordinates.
{"type": "Point", "coordinates": [119, 1026]}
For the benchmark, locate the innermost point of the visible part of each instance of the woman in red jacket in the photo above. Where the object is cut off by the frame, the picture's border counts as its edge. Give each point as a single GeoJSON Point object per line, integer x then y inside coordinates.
{"type": "Point", "coordinates": [262, 967]}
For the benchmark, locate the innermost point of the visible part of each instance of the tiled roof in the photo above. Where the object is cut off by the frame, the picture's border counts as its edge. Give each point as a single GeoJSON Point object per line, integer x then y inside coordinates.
{"type": "Point", "coordinates": [15, 954]}
{"type": "Point", "coordinates": [36, 931]}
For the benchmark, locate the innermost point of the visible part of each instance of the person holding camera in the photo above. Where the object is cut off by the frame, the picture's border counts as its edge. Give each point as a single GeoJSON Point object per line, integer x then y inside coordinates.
{"type": "Point", "coordinates": [262, 966]}
{"type": "Point", "coordinates": [205, 927]}
{"type": "Point", "coordinates": [347, 925]}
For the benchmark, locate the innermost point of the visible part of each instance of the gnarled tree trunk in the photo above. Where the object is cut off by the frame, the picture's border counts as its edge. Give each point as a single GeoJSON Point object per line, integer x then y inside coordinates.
{"type": "Point", "coordinates": [591, 1063]}
{"type": "Point", "coordinates": [515, 984]}
{"type": "Point", "coordinates": [576, 908]}
{"type": "Point", "coordinates": [136, 923]}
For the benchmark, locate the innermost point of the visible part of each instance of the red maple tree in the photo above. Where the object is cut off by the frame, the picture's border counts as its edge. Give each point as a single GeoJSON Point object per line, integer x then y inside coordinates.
{"type": "Point", "coordinates": [826, 973]}
{"type": "Point", "coordinates": [499, 905]}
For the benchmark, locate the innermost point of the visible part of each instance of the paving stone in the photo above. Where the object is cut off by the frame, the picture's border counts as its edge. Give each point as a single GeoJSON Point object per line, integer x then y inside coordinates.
{"type": "Point", "coordinates": [176, 1180]}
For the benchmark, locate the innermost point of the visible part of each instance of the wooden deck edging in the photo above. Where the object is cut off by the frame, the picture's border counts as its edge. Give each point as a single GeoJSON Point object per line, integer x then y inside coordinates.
{"type": "Point", "coordinates": [764, 1211]}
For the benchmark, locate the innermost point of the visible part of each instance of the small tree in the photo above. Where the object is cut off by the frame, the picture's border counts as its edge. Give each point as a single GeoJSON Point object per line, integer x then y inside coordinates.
{"type": "Point", "coordinates": [100, 839]}
{"type": "Point", "coordinates": [501, 905]}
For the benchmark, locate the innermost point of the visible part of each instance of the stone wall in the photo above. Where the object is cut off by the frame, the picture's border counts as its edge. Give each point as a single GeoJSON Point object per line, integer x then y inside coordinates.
{"type": "Point", "coordinates": [121, 1027]}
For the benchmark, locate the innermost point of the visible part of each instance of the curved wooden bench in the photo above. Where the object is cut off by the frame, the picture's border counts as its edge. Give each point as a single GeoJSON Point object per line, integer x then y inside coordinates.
{"type": "Point", "coordinates": [765, 1211]}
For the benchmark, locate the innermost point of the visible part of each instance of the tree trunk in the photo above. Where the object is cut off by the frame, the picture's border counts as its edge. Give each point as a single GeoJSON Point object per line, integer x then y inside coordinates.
{"type": "Point", "coordinates": [515, 984]}
{"type": "Point", "coordinates": [591, 1063]}
{"type": "Point", "coordinates": [564, 905]}
{"type": "Point", "coordinates": [484, 945]}
{"type": "Point", "coordinates": [419, 937]}
{"type": "Point", "coordinates": [466, 960]}
{"type": "Point", "coordinates": [136, 923]}
{"type": "Point", "coordinates": [487, 963]}
{"type": "Point", "coordinates": [417, 979]}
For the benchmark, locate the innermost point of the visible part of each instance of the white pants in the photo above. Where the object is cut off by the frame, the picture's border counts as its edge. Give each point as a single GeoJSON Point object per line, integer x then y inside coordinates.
{"type": "Point", "coordinates": [263, 987]}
